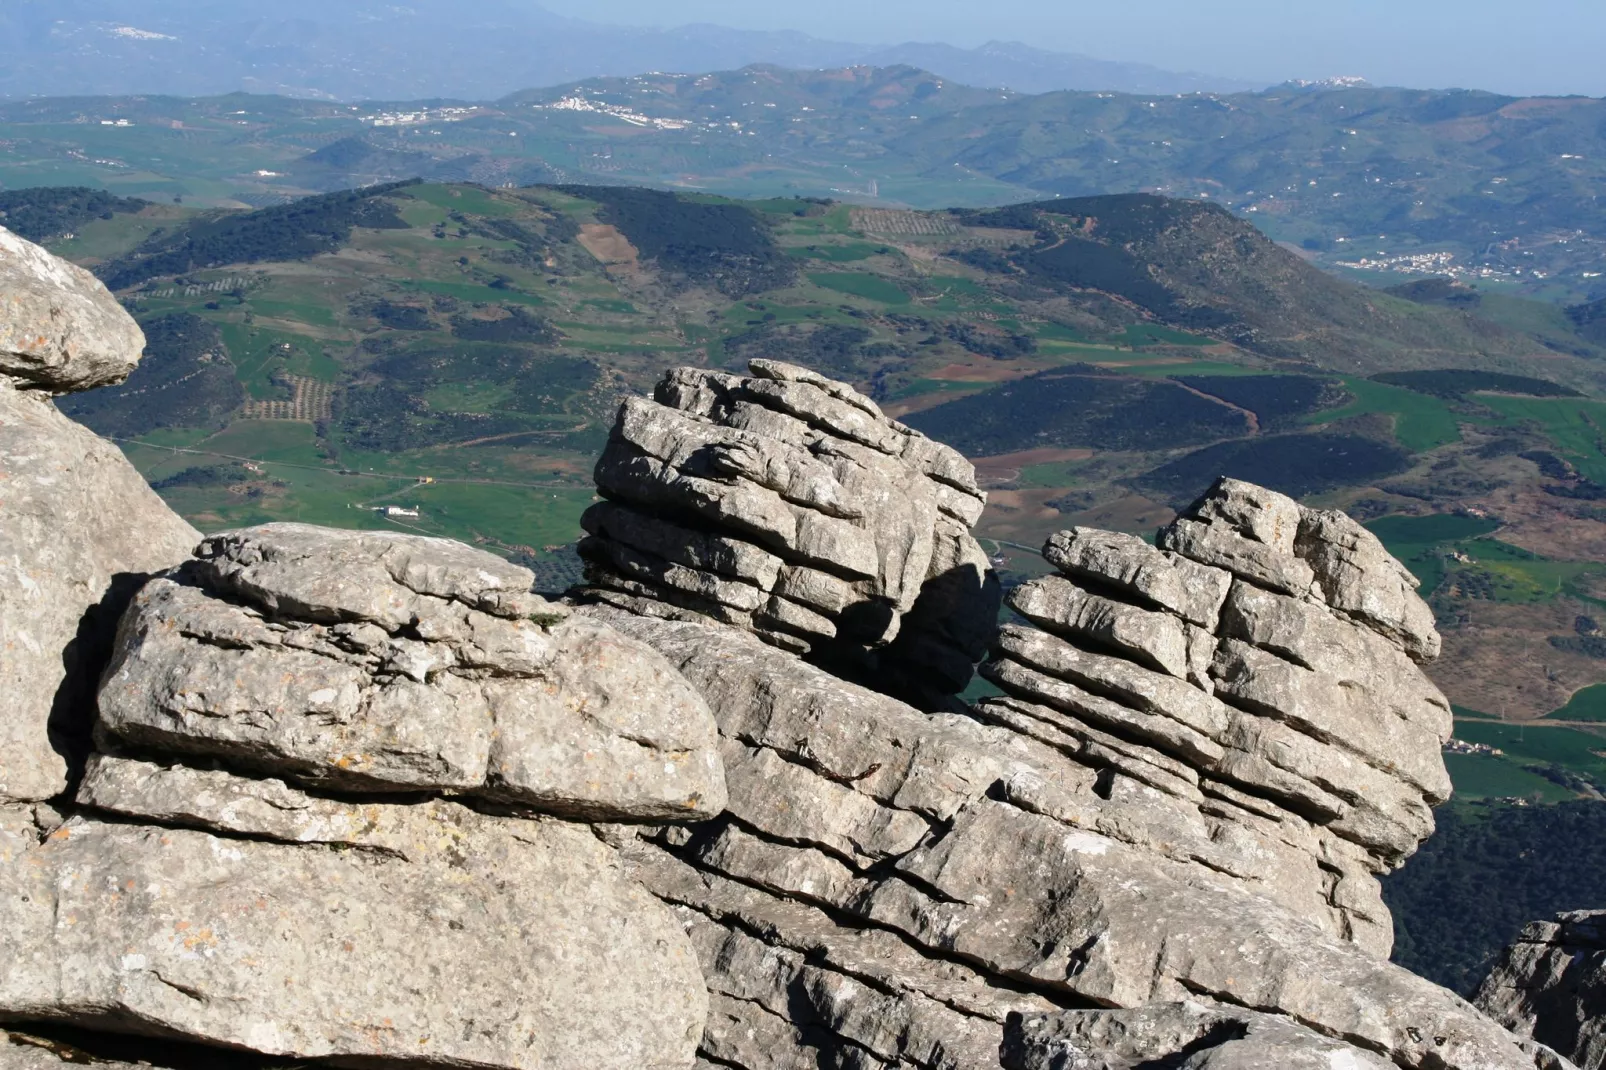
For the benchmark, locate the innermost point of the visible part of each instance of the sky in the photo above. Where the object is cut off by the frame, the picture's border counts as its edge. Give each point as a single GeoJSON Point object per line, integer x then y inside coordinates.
{"type": "Point", "coordinates": [1529, 47]}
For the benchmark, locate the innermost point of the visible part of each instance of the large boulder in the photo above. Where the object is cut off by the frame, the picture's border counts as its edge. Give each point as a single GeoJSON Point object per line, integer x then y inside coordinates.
{"type": "Point", "coordinates": [60, 330]}
{"type": "Point", "coordinates": [1551, 985]}
{"type": "Point", "coordinates": [787, 505]}
{"type": "Point", "coordinates": [79, 528]}
{"type": "Point", "coordinates": [367, 661]}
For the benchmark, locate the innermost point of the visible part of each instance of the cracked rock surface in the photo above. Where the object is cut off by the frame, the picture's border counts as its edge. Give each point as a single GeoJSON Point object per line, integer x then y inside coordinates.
{"type": "Point", "coordinates": [383, 663]}
{"type": "Point", "coordinates": [1551, 985]}
{"type": "Point", "coordinates": [888, 886]}
{"type": "Point", "coordinates": [60, 329]}
{"type": "Point", "coordinates": [1263, 653]}
{"type": "Point", "coordinates": [787, 505]}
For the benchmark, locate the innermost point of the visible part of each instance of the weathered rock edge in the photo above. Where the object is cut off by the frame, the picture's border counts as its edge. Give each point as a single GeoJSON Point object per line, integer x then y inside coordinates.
{"type": "Point", "coordinates": [1551, 985]}
{"type": "Point", "coordinates": [789, 506]}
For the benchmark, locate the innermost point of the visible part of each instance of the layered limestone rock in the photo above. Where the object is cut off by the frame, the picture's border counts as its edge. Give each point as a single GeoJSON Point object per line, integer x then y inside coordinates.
{"type": "Point", "coordinates": [787, 505]}
{"type": "Point", "coordinates": [79, 527]}
{"type": "Point", "coordinates": [889, 886]}
{"type": "Point", "coordinates": [1257, 665]}
{"type": "Point", "coordinates": [435, 936]}
{"type": "Point", "coordinates": [1551, 985]}
{"type": "Point", "coordinates": [382, 662]}
{"type": "Point", "coordinates": [335, 815]}
{"type": "Point", "coordinates": [60, 330]}
{"type": "Point", "coordinates": [1204, 754]}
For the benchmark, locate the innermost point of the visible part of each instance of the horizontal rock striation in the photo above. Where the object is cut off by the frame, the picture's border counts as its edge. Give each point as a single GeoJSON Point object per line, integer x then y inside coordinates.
{"type": "Point", "coordinates": [787, 505]}
{"type": "Point", "coordinates": [888, 887]}
{"type": "Point", "coordinates": [1256, 666]}
{"type": "Point", "coordinates": [1551, 985]}
{"type": "Point", "coordinates": [384, 663]}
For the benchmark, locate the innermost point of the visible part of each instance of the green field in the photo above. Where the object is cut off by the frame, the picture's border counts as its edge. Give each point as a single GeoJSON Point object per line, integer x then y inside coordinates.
{"type": "Point", "coordinates": [1481, 776]}
{"type": "Point", "coordinates": [1421, 542]}
{"type": "Point", "coordinates": [1576, 426]}
{"type": "Point", "coordinates": [1587, 704]}
{"type": "Point", "coordinates": [1540, 745]}
{"type": "Point", "coordinates": [1421, 422]}
{"type": "Point", "coordinates": [858, 284]}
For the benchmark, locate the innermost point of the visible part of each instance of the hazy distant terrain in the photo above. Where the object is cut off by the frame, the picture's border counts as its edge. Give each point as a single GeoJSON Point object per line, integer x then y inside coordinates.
{"type": "Point", "coordinates": [368, 49]}
{"type": "Point", "coordinates": [1395, 183]}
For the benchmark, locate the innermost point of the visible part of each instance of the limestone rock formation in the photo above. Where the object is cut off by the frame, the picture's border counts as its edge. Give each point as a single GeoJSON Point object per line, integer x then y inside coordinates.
{"type": "Point", "coordinates": [79, 527]}
{"type": "Point", "coordinates": [60, 330]}
{"type": "Point", "coordinates": [1205, 753]}
{"type": "Point", "coordinates": [439, 936]}
{"type": "Point", "coordinates": [1260, 649]}
{"type": "Point", "coordinates": [787, 505]}
{"type": "Point", "coordinates": [384, 662]}
{"type": "Point", "coordinates": [340, 805]}
{"type": "Point", "coordinates": [1551, 985]}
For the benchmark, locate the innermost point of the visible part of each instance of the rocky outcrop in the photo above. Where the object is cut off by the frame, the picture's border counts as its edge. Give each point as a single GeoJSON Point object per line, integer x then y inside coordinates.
{"type": "Point", "coordinates": [60, 330]}
{"type": "Point", "coordinates": [889, 886]}
{"type": "Point", "coordinates": [79, 527]}
{"type": "Point", "coordinates": [378, 662]}
{"type": "Point", "coordinates": [1551, 985]}
{"type": "Point", "coordinates": [372, 751]}
{"type": "Point", "coordinates": [1205, 752]}
{"type": "Point", "coordinates": [1256, 664]}
{"type": "Point", "coordinates": [787, 505]}
{"type": "Point", "coordinates": [344, 797]}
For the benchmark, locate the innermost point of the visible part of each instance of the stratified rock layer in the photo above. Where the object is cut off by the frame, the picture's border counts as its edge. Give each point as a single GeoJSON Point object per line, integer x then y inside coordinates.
{"type": "Point", "coordinates": [787, 505]}
{"type": "Point", "coordinates": [889, 886]}
{"type": "Point", "coordinates": [382, 662]}
{"type": "Point", "coordinates": [1551, 985]}
{"type": "Point", "coordinates": [1261, 655]}
{"type": "Point", "coordinates": [60, 330]}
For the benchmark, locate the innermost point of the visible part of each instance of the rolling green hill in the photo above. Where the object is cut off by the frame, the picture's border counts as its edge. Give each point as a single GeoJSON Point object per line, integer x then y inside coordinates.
{"type": "Point", "coordinates": [462, 350]}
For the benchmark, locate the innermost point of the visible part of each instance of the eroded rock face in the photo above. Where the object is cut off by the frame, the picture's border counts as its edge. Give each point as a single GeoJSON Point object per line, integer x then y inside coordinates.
{"type": "Point", "coordinates": [889, 886]}
{"type": "Point", "coordinates": [787, 505]}
{"type": "Point", "coordinates": [439, 936]}
{"type": "Point", "coordinates": [60, 330]}
{"type": "Point", "coordinates": [79, 531]}
{"type": "Point", "coordinates": [382, 662]}
{"type": "Point", "coordinates": [1184, 1036]}
{"type": "Point", "coordinates": [1551, 985]}
{"type": "Point", "coordinates": [1262, 650]}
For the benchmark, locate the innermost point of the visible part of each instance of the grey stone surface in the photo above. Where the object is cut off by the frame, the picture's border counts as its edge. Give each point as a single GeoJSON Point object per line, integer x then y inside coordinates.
{"type": "Point", "coordinates": [788, 505]}
{"type": "Point", "coordinates": [880, 868]}
{"type": "Point", "coordinates": [511, 944]}
{"type": "Point", "coordinates": [1359, 578]}
{"type": "Point", "coordinates": [20, 1051]}
{"type": "Point", "coordinates": [1185, 1036]}
{"type": "Point", "coordinates": [1192, 591]}
{"type": "Point", "coordinates": [79, 530]}
{"type": "Point", "coordinates": [1551, 985]}
{"type": "Point", "coordinates": [381, 662]}
{"type": "Point", "coordinates": [60, 330]}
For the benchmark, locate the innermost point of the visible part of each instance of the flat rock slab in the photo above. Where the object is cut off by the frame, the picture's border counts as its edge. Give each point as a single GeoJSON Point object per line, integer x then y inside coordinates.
{"type": "Point", "coordinates": [524, 946]}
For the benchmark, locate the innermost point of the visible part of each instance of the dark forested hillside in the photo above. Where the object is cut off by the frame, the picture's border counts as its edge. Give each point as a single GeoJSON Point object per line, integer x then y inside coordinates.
{"type": "Point", "coordinates": [283, 232]}
{"type": "Point", "coordinates": [50, 212]}
{"type": "Point", "coordinates": [1487, 872]}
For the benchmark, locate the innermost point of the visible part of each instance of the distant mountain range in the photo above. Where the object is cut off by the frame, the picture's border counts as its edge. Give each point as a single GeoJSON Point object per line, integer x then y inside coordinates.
{"type": "Point", "coordinates": [375, 50]}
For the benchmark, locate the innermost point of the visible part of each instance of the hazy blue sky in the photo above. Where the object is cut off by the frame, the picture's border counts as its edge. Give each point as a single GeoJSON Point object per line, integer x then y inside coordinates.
{"type": "Point", "coordinates": [1527, 46]}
